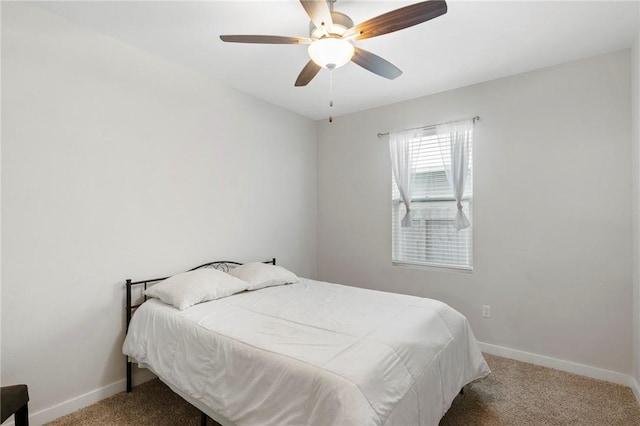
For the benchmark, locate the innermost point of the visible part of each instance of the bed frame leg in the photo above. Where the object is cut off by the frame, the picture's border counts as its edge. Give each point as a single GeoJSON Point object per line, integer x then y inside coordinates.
{"type": "Point", "coordinates": [203, 419]}
{"type": "Point", "coordinates": [128, 320]}
{"type": "Point", "coordinates": [128, 375]}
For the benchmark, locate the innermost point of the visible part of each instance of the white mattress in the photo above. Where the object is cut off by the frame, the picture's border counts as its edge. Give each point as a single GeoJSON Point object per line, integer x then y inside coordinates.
{"type": "Point", "coordinates": [311, 353]}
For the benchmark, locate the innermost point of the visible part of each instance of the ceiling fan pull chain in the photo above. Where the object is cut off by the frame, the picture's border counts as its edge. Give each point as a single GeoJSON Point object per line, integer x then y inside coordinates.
{"type": "Point", "coordinates": [331, 88]}
{"type": "Point", "coordinates": [330, 93]}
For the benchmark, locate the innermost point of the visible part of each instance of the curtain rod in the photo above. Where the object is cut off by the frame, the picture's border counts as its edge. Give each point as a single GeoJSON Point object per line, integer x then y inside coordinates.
{"type": "Point", "coordinates": [476, 118]}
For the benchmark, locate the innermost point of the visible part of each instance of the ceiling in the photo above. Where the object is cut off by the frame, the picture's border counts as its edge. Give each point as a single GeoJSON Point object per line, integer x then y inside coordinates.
{"type": "Point", "coordinates": [475, 41]}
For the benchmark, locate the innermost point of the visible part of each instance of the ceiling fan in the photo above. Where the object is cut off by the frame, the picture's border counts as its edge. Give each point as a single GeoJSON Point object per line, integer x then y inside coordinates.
{"type": "Point", "coordinates": [331, 34]}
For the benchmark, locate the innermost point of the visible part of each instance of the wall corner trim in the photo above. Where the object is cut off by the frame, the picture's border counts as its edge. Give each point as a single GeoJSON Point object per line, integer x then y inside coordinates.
{"type": "Point", "coordinates": [635, 387]}
{"type": "Point", "coordinates": [562, 365]}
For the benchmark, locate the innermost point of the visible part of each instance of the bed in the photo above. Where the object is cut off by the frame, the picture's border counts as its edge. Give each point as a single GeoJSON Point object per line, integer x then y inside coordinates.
{"type": "Point", "coordinates": [311, 353]}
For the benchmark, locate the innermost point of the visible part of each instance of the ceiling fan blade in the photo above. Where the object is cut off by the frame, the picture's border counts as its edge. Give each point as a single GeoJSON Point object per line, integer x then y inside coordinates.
{"type": "Point", "coordinates": [398, 19]}
{"type": "Point", "coordinates": [375, 64]}
{"type": "Point", "coordinates": [308, 72]}
{"type": "Point", "coordinates": [319, 12]}
{"type": "Point", "coordinates": [264, 39]}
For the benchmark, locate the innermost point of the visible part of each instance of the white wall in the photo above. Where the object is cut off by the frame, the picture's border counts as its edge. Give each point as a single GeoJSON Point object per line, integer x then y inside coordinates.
{"type": "Point", "coordinates": [635, 121]}
{"type": "Point", "coordinates": [117, 164]}
{"type": "Point", "coordinates": [552, 221]}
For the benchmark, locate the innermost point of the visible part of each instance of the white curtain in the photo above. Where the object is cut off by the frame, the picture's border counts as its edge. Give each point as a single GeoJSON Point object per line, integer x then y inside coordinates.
{"type": "Point", "coordinates": [402, 152]}
{"type": "Point", "coordinates": [455, 140]}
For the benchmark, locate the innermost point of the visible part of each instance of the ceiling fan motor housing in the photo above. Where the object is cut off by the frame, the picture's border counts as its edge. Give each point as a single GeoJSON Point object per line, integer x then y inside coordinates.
{"type": "Point", "coordinates": [341, 23]}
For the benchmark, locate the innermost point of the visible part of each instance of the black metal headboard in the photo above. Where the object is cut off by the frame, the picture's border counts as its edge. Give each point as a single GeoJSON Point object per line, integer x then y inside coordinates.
{"type": "Point", "coordinates": [223, 265]}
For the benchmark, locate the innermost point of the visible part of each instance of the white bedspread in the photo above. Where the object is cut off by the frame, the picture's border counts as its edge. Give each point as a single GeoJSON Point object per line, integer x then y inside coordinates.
{"type": "Point", "coordinates": [312, 353]}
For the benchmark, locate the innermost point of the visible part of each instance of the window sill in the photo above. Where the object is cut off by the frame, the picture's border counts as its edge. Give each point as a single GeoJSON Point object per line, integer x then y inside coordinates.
{"type": "Point", "coordinates": [439, 268]}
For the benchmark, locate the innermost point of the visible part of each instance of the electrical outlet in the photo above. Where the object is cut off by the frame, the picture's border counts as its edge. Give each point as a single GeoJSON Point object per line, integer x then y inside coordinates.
{"type": "Point", "coordinates": [486, 311]}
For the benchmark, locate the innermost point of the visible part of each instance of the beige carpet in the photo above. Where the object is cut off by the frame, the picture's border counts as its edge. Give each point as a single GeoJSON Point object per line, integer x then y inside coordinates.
{"type": "Point", "coordinates": [514, 394]}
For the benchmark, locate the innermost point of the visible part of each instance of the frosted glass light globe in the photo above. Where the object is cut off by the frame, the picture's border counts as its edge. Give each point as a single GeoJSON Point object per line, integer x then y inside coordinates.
{"type": "Point", "coordinates": [331, 52]}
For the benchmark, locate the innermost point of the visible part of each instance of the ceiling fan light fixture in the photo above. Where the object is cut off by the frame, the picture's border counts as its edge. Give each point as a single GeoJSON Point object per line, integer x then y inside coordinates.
{"type": "Point", "coordinates": [330, 52]}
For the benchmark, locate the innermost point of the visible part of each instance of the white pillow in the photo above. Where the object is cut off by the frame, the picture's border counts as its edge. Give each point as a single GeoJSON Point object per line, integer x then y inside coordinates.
{"type": "Point", "coordinates": [189, 288]}
{"type": "Point", "coordinates": [260, 275]}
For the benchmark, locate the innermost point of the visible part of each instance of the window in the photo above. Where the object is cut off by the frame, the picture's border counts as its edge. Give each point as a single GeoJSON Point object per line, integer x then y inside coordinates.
{"type": "Point", "coordinates": [432, 239]}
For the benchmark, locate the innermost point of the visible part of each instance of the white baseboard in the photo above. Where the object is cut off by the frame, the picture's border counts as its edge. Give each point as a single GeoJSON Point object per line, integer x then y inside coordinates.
{"type": "Point", "coordinates": [67, 407]}
{"type": "Point", "coordinates": [73, 404]}
{"type": "Point", "coordinates": [559, 364]}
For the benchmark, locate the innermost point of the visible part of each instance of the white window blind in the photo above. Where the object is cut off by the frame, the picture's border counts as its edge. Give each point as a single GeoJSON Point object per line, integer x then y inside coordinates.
{"type": "Point", "coordinates": [432, 239]}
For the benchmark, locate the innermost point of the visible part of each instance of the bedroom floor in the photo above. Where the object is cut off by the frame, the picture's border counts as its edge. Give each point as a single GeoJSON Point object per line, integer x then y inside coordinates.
{"type": "Point", "coordinates": [515, 393]}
